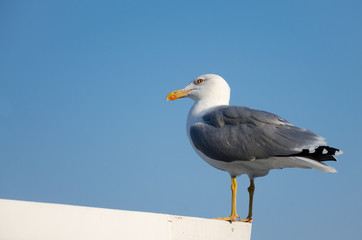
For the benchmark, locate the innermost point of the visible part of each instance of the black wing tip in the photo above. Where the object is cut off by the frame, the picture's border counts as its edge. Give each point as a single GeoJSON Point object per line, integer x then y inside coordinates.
{"type": "Point", "coordinates": [320, 154]}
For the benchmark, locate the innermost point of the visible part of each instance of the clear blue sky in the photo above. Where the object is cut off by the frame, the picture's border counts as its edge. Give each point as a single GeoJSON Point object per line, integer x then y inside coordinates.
{"type": "Point", "coordinates": [84, 121]}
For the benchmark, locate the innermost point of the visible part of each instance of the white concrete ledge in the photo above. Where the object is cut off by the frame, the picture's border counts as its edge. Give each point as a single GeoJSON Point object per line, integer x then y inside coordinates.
{"type": "Point", "coordinates": [43, 221]}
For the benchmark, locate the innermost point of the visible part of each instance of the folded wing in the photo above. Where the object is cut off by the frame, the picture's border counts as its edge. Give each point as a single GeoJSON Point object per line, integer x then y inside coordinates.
{"type": "Point", "coordinates": [232, 133]}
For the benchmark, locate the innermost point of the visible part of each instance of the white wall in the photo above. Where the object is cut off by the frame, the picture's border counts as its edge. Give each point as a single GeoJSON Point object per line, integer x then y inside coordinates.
{"type": "Point", "coordinates": [43, 221]}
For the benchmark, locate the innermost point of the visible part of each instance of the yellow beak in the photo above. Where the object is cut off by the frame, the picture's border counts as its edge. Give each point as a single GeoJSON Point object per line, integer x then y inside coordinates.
{"type": "Point", "coordinates": [177, 94]}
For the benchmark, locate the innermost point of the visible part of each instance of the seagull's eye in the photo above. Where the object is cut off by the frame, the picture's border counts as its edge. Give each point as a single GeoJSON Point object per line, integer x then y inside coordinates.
{"type": "Point", "coordinates": [199, 81]}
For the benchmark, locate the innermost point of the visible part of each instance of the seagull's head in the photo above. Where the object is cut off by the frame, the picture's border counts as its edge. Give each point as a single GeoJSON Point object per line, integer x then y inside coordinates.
{"type": "Point", "coordinates": [209, 87]}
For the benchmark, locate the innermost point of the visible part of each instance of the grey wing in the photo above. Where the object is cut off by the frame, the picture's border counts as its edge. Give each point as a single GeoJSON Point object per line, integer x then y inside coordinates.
{"type": "Point", "coordinates": [231, 133]}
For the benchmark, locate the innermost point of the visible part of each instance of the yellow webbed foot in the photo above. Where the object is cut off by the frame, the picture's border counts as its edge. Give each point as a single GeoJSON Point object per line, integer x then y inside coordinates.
{"type": "Point", "coordinates": [247, 219]}
{"type": "Point", "coordinates": [232, 218]}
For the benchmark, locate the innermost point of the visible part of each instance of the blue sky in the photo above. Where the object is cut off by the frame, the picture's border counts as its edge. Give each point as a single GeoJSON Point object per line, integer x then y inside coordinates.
{"type": "Point", "coordinates": [84, 121]}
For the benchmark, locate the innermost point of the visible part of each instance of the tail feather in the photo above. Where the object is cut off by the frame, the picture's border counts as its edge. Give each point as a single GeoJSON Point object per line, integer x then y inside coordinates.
{"type": "Point", "coordinates": [317, 165]}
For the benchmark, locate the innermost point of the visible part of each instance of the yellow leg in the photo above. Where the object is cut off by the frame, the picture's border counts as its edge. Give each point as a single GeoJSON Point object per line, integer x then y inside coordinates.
{"type": "Point", "coordinates": [234, 215]}
{"type": "Point", "coordinates": [251, 189]}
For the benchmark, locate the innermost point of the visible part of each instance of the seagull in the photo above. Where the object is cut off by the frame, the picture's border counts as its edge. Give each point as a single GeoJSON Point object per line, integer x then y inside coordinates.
{"type": "Point", "coordinates": [241, 140]}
